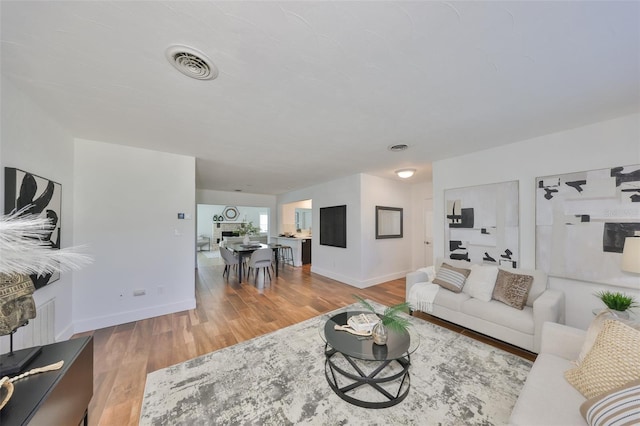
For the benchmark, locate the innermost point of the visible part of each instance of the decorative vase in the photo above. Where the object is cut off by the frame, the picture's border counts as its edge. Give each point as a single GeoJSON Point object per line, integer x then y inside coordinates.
{"type": "Point", "coordinates": [619, 314]}
{"type": "Point", "coordinates": [246, 240]}
{"type": "Point", "coordinates": [380, 334]}
{"type": "Point", "coordinates": [380, 352]}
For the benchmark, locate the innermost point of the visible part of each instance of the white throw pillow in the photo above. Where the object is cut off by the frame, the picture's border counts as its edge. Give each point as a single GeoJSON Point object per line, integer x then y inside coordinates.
{"type": "Point", "coordinates": [481, 281]}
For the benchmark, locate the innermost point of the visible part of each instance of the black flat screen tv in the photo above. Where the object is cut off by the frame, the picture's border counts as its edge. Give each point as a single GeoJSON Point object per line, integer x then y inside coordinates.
{"type": "Point", "coordinates": [333, 226]}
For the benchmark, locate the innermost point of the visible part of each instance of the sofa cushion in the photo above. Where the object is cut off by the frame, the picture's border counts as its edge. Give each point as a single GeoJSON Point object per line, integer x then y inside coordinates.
{"type": "Point", "coordinates": [546, 398]}
{"type": "Point", "coordinates": [619, 406]}
{"type": "Point", "coordinates": [481, 281]}
{"type": "Point", "coordinates": [512, 289]}
{"type": "Point", "coordinates": [451, 278]}
{"type": "Point", "coordinates": [613, 361]}
{"type": "Point", "coordinates": [451, 300]}
{"type": "Point", "coordinates": [501, 314]}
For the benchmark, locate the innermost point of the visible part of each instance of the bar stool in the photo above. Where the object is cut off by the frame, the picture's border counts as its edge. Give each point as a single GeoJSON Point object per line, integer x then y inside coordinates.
{"type": "Point", "coordinates": [286, 254]}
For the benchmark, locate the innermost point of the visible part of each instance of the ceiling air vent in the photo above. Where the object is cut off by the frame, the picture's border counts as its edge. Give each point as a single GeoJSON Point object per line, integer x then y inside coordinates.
{"type": "Point", "coordinates": [398, 147]}
{"type": "Point", "coordinates": [191, 62]}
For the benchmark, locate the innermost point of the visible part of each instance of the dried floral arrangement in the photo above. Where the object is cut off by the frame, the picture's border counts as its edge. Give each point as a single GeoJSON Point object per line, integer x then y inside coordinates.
{"type": "Point", "coordinates": [25, 251]}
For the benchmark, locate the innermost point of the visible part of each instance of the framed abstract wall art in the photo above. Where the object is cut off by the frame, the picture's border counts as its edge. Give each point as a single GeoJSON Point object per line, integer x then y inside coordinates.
{"type": "Point", "coordinates": [582, 220]}
{"type": "Point", "coordinates": [481, 224]}
{"type": "Point", "coordinates": [38, 196]}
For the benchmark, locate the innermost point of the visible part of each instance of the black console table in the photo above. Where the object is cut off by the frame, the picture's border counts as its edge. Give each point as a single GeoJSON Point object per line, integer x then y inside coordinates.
{"type": "Point", "coordinates": [58, 397]}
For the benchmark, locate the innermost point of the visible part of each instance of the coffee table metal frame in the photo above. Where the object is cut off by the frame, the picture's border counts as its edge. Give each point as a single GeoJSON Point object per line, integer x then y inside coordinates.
{"type": "Point", "coordinates": [360, 377]}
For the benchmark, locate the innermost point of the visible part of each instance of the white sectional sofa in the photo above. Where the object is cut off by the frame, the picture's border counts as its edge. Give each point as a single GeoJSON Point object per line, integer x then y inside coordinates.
{"type": "Point", "coordinates": [547, 398]}
{"type": "Point", "coordinates": [522, 328]}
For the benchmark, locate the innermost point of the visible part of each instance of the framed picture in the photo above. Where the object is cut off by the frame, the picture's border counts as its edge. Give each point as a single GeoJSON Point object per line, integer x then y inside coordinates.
{"type": "Point", "coordinates": [582, 220]}
{"type": "Point", "coordinates": [333, 226]}
{"type": "Point", "coordinates": [388, 222]}
{"type": "Point", "coordinates": [481, 224]}
{"type": "Point", "coordinates": [39, 196]}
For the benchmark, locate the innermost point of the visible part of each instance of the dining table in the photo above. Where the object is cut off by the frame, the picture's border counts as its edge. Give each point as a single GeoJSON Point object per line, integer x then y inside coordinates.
{"type": "Point", "coordinates": [245, 250]}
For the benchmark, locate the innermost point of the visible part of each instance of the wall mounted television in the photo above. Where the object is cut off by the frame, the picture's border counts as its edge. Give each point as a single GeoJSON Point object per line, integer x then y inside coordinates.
{"type": "Point", "coordinates": [333, 226]}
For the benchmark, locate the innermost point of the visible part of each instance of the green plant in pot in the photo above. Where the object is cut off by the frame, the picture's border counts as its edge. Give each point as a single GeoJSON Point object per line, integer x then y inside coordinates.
{"type": "Point", "coordinates": [246, 229]}
{"type": "Point", "coordinates": [617, 302]}
{"type": "Point", "coordinates": [389, 319]}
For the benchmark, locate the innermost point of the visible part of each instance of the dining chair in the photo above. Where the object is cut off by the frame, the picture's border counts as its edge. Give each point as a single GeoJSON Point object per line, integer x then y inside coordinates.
{"type": "Point", "coordinates": [261, 258]}
{"type": "Point", "coordinates": [230, 260]}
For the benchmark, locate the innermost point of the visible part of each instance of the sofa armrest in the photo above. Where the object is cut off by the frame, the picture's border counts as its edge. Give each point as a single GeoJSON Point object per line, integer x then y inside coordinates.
{"type": "Point", "coordinates": [549, 306]}
{"type": "Point", "coordinates": [413, 278]}
{"type": "Point", "coordinates": [562, 340]}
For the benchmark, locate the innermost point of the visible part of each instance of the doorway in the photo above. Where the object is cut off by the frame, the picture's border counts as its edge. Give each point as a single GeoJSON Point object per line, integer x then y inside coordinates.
{"type": "Point", "coordinates": [428, 232]}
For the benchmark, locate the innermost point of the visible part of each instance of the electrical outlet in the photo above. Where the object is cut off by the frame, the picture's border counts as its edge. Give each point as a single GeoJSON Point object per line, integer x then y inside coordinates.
{"type": "Point", "coordinates": [160, 289]}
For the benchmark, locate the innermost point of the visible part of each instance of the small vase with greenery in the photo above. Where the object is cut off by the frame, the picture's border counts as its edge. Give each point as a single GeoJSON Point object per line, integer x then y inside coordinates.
{"type": "Point", "coordinates": [617, 301]}
{"type": "Point", "coordinates": [390, 319]}
{"type": "Point", "coordinates": [246, 229]}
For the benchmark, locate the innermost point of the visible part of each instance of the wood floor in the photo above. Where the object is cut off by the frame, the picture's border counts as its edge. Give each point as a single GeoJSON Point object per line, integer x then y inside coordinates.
{"type": "Point", "coordinates": [226, 313]}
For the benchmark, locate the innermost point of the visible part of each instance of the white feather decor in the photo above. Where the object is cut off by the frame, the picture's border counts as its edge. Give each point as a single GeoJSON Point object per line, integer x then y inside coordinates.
{"type": "Point", "coordinates": [25, 249]}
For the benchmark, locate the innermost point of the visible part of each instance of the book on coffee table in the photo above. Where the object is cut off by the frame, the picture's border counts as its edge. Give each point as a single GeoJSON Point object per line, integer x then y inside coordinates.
{"type": "Point", "coordinates": [363, 322]}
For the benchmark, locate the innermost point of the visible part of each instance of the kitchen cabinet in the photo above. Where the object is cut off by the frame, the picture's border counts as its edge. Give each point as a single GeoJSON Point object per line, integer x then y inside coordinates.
{"type": "Point", "coordinates": [306, 251]}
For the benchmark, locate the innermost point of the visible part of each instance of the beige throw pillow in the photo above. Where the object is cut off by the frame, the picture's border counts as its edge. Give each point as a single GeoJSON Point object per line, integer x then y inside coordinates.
{"type": "Point", "coordinates": [594, 329]}
{"type": "Point", "coordinates": [451, 278]}
{"type": "Point", "coordinates": [613, 360]}
{"type": "Point", "coordinates": [512, 289]}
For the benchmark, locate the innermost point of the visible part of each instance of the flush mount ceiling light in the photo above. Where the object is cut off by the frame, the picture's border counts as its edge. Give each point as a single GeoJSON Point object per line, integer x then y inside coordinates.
{"type": "Point", "coordinates": [405, 173]}
{"type": "Point", "coordinates": [191, 62]}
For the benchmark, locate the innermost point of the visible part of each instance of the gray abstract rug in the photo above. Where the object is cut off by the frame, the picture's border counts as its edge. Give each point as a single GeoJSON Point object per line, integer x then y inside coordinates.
{"type": "Point", "coordinates": [278, 379]}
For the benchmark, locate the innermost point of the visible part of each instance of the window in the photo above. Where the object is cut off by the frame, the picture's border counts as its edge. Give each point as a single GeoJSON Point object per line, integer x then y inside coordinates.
{"type": "Point", "coordinates": [264, 222]}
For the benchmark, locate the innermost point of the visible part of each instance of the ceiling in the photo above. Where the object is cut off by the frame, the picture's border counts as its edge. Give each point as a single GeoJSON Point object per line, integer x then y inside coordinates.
{"type": "Point", "coordinates": [311, 91]}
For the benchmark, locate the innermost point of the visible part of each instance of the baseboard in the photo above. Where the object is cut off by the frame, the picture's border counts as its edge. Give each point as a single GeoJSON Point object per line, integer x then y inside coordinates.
{"type": "Point", "coordinates": [358, 283]}
{"type": "Point", "coordinates": [130, 316]}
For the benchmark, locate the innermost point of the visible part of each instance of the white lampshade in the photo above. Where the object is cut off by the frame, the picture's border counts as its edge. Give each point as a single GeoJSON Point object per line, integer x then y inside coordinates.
{"type": "Point", "coordinates": [631, 255]}
{"type": "Point", "coordinates": [405, 173]}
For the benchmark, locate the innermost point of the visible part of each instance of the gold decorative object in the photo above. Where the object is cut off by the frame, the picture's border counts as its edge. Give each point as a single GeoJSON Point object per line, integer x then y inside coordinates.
{"type": "Point", "coordinates": [6, 384]}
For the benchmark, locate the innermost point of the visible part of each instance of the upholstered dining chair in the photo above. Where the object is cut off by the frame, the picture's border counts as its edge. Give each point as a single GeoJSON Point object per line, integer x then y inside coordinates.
{"type": "Point", "coordinates": [261, 258]}
{"type": "Point", "coordinates": [230, 260]}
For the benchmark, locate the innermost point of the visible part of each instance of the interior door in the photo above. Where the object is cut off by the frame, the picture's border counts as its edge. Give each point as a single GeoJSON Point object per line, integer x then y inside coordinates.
{"type": "Point", "coordinates": [428, 231]}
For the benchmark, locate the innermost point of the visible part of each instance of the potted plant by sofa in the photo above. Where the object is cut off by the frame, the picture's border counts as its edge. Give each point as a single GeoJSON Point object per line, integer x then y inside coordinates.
{"type": "Point", "coordinates": [617, 302]}
{"type": "Point", "coordinates": [390, 319]}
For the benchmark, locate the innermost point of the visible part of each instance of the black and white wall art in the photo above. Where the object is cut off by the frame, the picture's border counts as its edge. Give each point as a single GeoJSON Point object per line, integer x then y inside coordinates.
{"type": "Point", "coordinates": [38, 196]}
{"type": "Point", "coordinates": [582, 220]}
{"type": "Point", "coordinates": [481, 224]}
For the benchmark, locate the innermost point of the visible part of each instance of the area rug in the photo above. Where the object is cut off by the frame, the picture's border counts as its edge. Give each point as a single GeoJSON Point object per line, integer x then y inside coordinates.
{"type": "Point", "coordinates": [279, 379]}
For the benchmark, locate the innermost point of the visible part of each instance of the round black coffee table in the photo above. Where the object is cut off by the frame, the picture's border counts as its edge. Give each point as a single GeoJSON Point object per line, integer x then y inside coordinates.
{"type": "Point", "coordinates": [363, 373]}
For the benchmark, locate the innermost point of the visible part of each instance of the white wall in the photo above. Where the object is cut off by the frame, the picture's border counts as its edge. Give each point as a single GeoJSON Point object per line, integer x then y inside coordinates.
{"type": "Point", "coordinates": [33, 141]}
{"type": "Point", "coordinates": [600, 145]}
{"type": "Point", "coordinates": [126, 205]}
{"type": "Point", "coordinates": [366, 261]}
{"type": "Point", "coordinates": [385, 259]}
